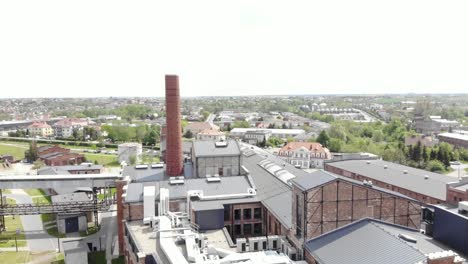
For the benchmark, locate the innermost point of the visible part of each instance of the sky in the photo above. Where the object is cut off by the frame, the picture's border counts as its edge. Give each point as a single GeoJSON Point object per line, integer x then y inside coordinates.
{"type": "Point", "coordinates": [124, 48]}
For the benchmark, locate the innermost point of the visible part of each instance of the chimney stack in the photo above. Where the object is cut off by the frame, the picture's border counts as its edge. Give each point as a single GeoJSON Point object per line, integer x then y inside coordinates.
{"type": "Point", "coordinates": [174, 159]}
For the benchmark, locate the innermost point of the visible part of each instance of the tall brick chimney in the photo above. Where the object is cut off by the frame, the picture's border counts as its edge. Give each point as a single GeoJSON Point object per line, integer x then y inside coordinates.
{"type": "Point", "coordinates": [174, 159]}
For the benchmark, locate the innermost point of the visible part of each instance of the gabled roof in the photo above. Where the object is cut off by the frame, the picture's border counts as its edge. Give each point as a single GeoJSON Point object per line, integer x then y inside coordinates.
{"type": "Point", "coordinates": [434, 185]}
{"type": "Point", "coordinates": [364, 242]}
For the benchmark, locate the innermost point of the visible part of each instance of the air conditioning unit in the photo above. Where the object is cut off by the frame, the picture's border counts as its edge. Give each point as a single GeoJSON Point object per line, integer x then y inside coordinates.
{"type": "Point", "coordinates": [262, 243]}
{"type": "Point", "coordinates": [253, 244]}
{"type": "Point", "coordinates": [241, 244]}
{"type": "Point", "coordinates": [291, 252]}
{"type": "Point", "coordinates": [463, 207]}
{"type": "Point", "coordinates": [274, 242]}
{"type": "Point", "coordinates": [284, 245]}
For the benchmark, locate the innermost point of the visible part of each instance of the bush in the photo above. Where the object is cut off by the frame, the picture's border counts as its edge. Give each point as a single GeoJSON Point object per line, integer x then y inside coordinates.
{"type": "Point", "coordinates": [435, 166]}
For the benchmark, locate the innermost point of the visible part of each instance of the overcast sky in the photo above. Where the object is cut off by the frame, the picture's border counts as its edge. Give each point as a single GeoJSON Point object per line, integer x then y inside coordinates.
{"type": "Point", "coordinates": [124, 48]}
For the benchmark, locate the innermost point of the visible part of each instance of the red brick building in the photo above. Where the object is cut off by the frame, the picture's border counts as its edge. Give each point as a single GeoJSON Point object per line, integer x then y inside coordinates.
{"type": "Point", "coordinates": [58, 156]}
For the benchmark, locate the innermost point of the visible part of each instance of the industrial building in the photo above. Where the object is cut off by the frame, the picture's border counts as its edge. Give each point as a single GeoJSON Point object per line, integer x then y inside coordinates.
{"type": "Point", "coordinates": [424, 186]}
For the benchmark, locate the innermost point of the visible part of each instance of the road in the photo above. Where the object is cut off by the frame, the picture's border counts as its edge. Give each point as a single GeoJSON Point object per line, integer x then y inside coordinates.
{"type": "Point", "coordinates": [37, 237]}
{"type": "Point", "coordinates": [454, 173]}
{"type": "Point", "coordinates": [210, 118]}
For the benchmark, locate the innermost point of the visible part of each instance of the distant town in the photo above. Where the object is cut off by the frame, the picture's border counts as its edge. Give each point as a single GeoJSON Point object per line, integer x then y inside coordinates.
{"type": "Point", "coordinates": [318, 179]}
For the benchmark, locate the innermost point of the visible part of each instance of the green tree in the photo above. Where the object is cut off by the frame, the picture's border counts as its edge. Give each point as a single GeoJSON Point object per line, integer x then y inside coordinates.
{"type": "Point", "coordinates": [323, 138]}
{"type": "Point", "coordinates": [377, 136]}
{"type": "Point", "coordinates": [335, 145]}
{"type": "Point", "coordinates": [188, 134]}
{"type": "Point", "coordinates": [435, 166]}
{"type": "Point", "coordinates": [31, 154]}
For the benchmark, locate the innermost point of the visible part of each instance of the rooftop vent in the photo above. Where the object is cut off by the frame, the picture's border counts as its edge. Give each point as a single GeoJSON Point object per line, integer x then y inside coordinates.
{"type": "Point", "coordinates": [405, 171]}
{"type": "Point", "coordinates": [367, 183]}
{"type": "Point", "coordinates": [157, 166]}
{"type": "Point", "coordinates": [463, 207]}
{"type": "Point", "coordinates": [221, 144]}
{"type": "Point", "coordinates": [426, 177]}
{"type": "Point", "coordinates": [407, 238]}
{"type": "Point", "coordinates": [385, 166]}
{"type": "Point", "coordinates": [213, 179]}
{"type": "Point", "coordinates": [140, 167]}
{"type": "Point", "coordinates": [176, 180]}
{"type": "Point", "coordinates": [368, 162]}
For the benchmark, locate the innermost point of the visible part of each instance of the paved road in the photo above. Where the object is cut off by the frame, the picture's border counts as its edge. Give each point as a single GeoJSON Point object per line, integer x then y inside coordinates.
{"type": "Point", "coordinates": [37, 237]}
{"type": "Point", "coordinates": [454, 173]}
{"type": "Point", "coordinates": [210, 118]}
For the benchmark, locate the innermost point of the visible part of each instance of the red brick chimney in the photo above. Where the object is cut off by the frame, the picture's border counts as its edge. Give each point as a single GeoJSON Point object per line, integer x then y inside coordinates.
{"type": "Point", "coordinates": [174, 159]}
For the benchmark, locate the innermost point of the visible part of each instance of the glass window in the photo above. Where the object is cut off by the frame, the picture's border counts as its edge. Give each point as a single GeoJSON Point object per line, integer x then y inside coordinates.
{"type": "Point", "coordinates": [258, 228]}
{"type": "Point", "coordinates": [237, 214]}
{"type": "Point", "coordinates": [237, 229]}
{"type": "Point", "coordinates": [257, 213]}
{"type": "Point", "coordinates": [247, 229]}
{"type": "Point", "coordinates": [248, 213]}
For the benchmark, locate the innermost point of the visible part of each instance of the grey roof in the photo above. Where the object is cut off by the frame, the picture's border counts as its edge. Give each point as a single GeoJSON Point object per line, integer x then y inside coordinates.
{"type": "Point", "coordinates": [227, 185]}
{"type": "Point", "coordinates": [274, 194]}
{"type": "Point", "coordinates": [208, 149]}
{"type": "Point", "coordinates": [307, 182]}
{"type": "Point", "coordinates": [414, 180]}
{"type": "Point", "coordinates": [144, 175]}
{"type": "Point", "coordinates": [51, 170]}
{"type": "Point", "coordinates": [318, 178]}
{"type": "Point", "coordinates": [363, 242]}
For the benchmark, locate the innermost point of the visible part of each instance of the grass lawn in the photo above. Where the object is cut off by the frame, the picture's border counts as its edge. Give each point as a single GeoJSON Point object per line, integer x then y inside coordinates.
{"type": "Point", "coordinates": [34, 192]}
{"type": "Point", "coordinates": [55, 233]}
{"type": "Point", "coordinates": [48, 217]}
{"type": "Point", "coordinates": [15, 257]}
{"type": "Point", "coordinates": [102, 159]}
{"type": "Point", "coordinates": [7, 238]}
{"type": "Point", "coordinates": [91, 230]}
{"type": "Point", "coordinates": [119, 260]}
{"type": "Point", "coordinates": [6, 191]}
{"type": "Point", "coordinates": [59, 259]}
{"type": "Point", "coordinates": [97, 257]}
{"type": "Point", "coordinates": [17, 151]}
{"type": "Point", "coordinates": [10, 201]}
{"type": "Point", "coordinates": [101, 195]}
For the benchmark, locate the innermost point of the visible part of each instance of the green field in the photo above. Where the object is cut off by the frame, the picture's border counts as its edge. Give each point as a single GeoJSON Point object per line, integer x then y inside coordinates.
{"type": "Point", "coordinates": [17, 151]}
{"type": "Point", "coordinates": [15, 257]}
{"type": "Point", "coordinates": [103, 159]}
{"type": "Point", "coordinates": [7, 238]}
{"type": "Point", "coordinates": [35, 192]}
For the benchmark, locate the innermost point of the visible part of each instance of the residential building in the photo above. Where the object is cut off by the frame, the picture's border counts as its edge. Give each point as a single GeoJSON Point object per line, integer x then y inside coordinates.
{"type": "Point", "coordinates": [256, 137]}
{"type": "Point", "coordinates": [424, 186]}
{"type": "Point", "coordinates": [197, 127]}
{"type": "Point", "coordinates": [305, 154]}
{"type": "Point", "coordinates": [64, 128]}
{"type": "Point", "coordinates": [280, 133]}
{"type": "Point", "coordinates": [40, 129]}
{"type": "Point", "coordinates": [457, 140]}
{"type": "Point", "coordinates": [211, 135]}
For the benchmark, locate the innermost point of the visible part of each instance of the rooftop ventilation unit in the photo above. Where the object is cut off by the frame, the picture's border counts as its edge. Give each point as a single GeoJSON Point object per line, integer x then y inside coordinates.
{"type": "Point", "coordinates": [157, 166]}
{"type": "Point", "coordinates": [221, 144]}
{"type": "Point", "coordinates": [176, 180]}
{"type": "Point", "coordinates": [426, 177]}
{"type": "Point", "coordinates": [368, 183]}
{"type": "Point", "coordinates": [368, 162]}
{"type": "Point", "coordinates": [405, 171]}
{"type": "Point", "coordinates": [385, 166]}
{"type": "Point", "coordinates": [141, 167]}
{"type": "Point", "coordinates": [407, 238]}
{"type": "Point", "coordinates": [213, 179]}
{"type": "Point", "coordinates": [241, 245]}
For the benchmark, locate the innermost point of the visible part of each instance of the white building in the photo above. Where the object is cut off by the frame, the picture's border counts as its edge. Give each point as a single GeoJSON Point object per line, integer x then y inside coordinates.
{"type": "Point", "coordinates": [280, 133]}
{"type": "Point", "coordinates": [127, 151]}
{"type": "Point", "coordinates": [305, 154]}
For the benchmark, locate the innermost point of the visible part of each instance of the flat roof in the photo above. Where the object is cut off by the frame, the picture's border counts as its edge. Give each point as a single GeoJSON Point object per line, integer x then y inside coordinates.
{"type": "Point", "coordinates": [414, 180]}
{"type": "Point", "coordinates": [66, 177]}
{"type": "Point", "coordinates": [455, 136]}
{"type": "Point", "coordinates": [144, 175]}
{"type": "Point", "coordinates": [209, 149]}
{"type": "Point", "coordinates": [273, 130]}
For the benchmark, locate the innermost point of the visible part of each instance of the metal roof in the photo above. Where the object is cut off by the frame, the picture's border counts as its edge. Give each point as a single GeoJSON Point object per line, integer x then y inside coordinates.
{"type": "Point", "coordinates": [209, 149]}
{"type": "Point", "coordinates": [363, 242]}
{"type": "Point", "coordinates": [144, 175]}
{"type": "Point", "coordinates": [414, 180]}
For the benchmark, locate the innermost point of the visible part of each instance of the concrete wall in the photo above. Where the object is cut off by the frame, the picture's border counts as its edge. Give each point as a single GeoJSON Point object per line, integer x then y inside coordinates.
{"type": "Point", "coordinates": [211, 165]}
{"type": "Point", "coordinates": [82, 224]}
{"type": "Point", "coordinates": [78, 257]}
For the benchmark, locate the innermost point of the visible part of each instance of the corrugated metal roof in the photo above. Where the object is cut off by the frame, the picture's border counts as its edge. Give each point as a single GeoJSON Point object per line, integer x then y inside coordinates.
{"type": "Point", "coordinates": [362, 242]}
{"type": "Point", "coordinates": [414, 180]}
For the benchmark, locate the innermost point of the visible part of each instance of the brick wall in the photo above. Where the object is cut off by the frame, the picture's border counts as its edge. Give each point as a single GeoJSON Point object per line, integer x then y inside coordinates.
{"type": "Point", "coordinates": [454, 196]}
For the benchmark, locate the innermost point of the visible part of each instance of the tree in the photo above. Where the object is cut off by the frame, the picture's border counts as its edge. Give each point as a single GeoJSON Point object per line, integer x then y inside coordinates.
{"type": "Point", "coordinates": [240, 124]}
{"type": "Point", "coordinates": [335, 145]}
{"type": "Point", "coordinates": [31, 154]}
{"type": "Point", "coordinates": [377, 136]}
{"type": "Point", "coordinates": [337, 131]}
{"type": "Point", "coordinates": [38, 164]}
{"type": "Point", "coordinates": [188, 134]}
{"type": "Point", "coordinates": [435, 166]}
{"type": "Point", "coordinates": [425, 154]}
{"type": "Point", "coordinates": [323, 138]}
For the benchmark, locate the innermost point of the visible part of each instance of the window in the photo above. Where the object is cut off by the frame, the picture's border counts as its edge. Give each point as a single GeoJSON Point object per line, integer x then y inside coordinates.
{"type": "Point", "coordinates": [257, 213]}
{"type": "Point", "coordinates": [247, 229]}
{"type": "Point", "coordinates": [237, 214]}
{"type": "Point", "coordinates": [220, 171]}
{"type": "Point", "coordinates": [298, 218]}
{"type": "Point", "coordinates": [227, 214]}
{"type": "Point", "coordinates": [258, 229]}
{"type": "Point", "coordinates": [248, 213]}
{"type": "Point", "coordinates": [237, 229]}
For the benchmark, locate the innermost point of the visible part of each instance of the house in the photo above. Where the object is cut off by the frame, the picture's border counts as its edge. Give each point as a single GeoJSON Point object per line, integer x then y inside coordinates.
{"type": "Point", "coordinates": [433, 125]}
{"type": "Point", "coordinates": [211, 134]}
{"type": "Point", "coordinates": [256, 137]}
{"type": "Point", "coordinates": [64, 128]}
{"type": "Point", "coordinates": [305, 154]}
{"type": "Point", "coordinates": [40, 129]}
{"type": "Point", "coordinates": [212, 158]}
{"type": "Point", "coordinates": [457, 140]}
